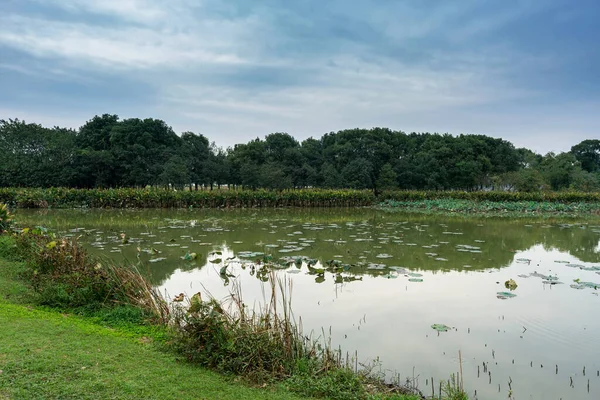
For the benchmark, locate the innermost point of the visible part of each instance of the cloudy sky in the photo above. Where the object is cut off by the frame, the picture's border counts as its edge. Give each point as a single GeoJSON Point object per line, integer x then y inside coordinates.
{"type": "Point", "coordinates": [524, 70]}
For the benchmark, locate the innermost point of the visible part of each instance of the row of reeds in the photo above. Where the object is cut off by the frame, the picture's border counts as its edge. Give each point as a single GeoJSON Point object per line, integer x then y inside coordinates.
{"type": "Point", "coordinates": [162, 198]}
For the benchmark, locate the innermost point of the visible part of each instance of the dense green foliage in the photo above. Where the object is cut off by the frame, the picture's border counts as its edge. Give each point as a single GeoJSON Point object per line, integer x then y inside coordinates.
{"type": "Point", "coordinates": [162, 198]}
{"type": "Point", "coordinates": [63, 275]}
{"type": "Point", "coordinates": [109, 152]}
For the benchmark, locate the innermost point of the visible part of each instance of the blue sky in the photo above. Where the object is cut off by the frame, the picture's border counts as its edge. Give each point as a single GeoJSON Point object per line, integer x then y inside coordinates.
{"type": "Point", "coordinates": [524, 70]}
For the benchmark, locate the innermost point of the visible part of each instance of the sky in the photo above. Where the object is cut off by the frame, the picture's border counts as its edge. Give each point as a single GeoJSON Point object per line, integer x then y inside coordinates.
{"type": "Point", "coordinates": [527, 71]}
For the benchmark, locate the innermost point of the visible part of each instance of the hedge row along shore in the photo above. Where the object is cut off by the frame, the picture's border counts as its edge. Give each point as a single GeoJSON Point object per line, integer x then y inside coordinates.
{"type": "Point", "coordinates": [163, 198]}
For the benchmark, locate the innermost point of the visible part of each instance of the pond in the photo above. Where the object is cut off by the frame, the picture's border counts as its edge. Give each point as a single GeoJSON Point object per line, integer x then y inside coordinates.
{"type": "Point", "coordinates": [376, 282]}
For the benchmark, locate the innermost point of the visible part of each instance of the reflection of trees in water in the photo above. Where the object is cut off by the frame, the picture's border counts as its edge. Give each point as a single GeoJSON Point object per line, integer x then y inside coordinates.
{"type": "Point", "coordinates": [501, 238]}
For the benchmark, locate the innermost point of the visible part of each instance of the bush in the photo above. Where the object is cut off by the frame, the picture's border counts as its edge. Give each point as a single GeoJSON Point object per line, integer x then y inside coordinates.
{"type": "Point", "coordinates": [261, 346]}
{"type": "Point", "coordinates": [63, 275]}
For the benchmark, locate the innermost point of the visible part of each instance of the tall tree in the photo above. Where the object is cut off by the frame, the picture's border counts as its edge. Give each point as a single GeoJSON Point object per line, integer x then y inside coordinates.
{"type": "Point", "coordinates": [588, 154]}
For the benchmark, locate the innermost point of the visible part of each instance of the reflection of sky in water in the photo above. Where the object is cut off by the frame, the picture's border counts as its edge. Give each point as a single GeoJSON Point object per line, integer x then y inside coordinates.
{"type": "Point", "coordinates": [391, 318]}
{"type": "Point", "coordinates": [463, 264]}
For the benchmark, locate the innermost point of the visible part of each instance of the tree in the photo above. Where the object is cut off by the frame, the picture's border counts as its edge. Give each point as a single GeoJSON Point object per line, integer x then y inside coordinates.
{"type": "Point", "coordinates": [34, 156]}
{"type": "Point", "coordinates": [175, 172]}
{"type": "Point", "coordinates": [196, 155]}
{"type": "Point", "coordinates": [588, 154]}
{"type": "Point", "coordinates": [273, 177]}
{"type": "Point", "coordinates": [94, 161]}
{"type": "Point", "coordinates": [330, 177]}
{"type": "Point", "coordinates": [250, 175]}
{"type": "Point", "coordinates": [559, 170]}
{"type": "Point", "coordinates": [387, 179]}
{"type": "Point", "coordinates": [585, 181]}
{"type": "Point", "coordinates": [357, 174]}
{"type": "Point", "coordinates": [141, 148]}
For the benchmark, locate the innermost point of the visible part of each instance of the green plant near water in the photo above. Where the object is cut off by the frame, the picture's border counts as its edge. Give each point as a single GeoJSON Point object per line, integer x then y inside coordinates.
{"type": "Point", "coordinates": [161, 198]}
{"type": "Point", "coordinates": [6, 220]}
{"type": "Point", "coordinates": [494, 208]}
{"type": "Point", "coordinates": [268, 346]}
{"type": "Point", "coordinates": [63, 275]}
{"type": "Point", "coordinates": [453, 201]}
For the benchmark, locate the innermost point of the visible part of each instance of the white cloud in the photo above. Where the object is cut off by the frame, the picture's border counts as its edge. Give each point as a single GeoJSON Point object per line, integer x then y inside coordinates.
{"type": "Point", "coordinates": [185, 52]}
{"type": "Point", "coordinates": [123, 47]}
{"type": "Point", "coordinates": [144, 11]}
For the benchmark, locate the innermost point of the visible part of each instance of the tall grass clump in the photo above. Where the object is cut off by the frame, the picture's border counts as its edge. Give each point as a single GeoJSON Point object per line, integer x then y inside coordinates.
{"type": "Point", "coordinates": [267, 345]}
{"type": "Point", "coordinates": [6, 220]}
{"type": "Point", "coordinates": [162, 198]}
{"type": "Point", "coordinates": [64, 275]}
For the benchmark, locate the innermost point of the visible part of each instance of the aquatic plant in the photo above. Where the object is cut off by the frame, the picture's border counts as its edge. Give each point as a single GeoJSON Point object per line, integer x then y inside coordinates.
{"type": "Point", "coordinates": [450, 201]}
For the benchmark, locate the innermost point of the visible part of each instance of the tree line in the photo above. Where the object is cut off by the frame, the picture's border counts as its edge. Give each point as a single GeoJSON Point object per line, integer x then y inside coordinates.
{"type": "Point", "coordinates": [109, 152]}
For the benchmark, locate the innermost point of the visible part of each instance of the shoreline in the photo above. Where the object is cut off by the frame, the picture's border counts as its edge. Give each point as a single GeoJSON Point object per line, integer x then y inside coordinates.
{"type": "Point", "coordinates": [125, 326]}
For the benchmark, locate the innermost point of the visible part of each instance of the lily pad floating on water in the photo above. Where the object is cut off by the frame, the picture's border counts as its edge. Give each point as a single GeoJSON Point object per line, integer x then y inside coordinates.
{"type": "Point", "coordinates": [399, 270]}
{"type": "Point", "coordinates": [415, 275]}
{"type": "Point", "coordinates": [415, 280]}
{"type": "Point", "coordinates": [440, 327]}
{"type": "Point", "coordinates": [383, 255]}
{"type": "Point", "coordinates": [510, 284]}
{"type": "Point", "coordinates": [577, 286]}
{"type": "Point", "coordinates": [189, 256]}
{"type": "Point", "coordinates": [250, 254]}
{"type": "Point", "coordinates": [590, 285]}
{"type": "Point", "coordinates": [505, 295]}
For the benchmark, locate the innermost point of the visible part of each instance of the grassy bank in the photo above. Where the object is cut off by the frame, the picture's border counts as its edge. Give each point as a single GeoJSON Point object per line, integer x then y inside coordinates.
{"type": "Point", "coordinates": [77, 328]}
{"type": "Point", "coordinates": [410, 200]}
{"type": "Point", "coordinates": [50, 353]}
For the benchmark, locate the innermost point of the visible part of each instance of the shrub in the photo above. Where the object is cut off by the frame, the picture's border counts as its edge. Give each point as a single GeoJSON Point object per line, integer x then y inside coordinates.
{"type": "Point", "coordinates": [64, 275]}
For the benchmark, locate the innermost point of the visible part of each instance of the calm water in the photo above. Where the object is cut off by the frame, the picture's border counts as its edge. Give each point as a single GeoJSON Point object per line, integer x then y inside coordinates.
{"type": "Point", "coordinates": [400, 274]}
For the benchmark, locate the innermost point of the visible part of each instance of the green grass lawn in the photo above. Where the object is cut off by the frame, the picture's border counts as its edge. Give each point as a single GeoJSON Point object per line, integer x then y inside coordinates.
{"type": "Point", "coordinates": [48, 355]}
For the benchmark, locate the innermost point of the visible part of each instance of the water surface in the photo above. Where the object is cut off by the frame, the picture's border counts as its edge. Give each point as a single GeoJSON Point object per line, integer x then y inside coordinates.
{"type": "Point", "coordinates": [388, 277]}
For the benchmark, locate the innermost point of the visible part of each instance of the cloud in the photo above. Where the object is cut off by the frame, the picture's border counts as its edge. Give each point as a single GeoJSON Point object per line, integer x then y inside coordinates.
{"type": "Point", "coordinates": [235, 70]}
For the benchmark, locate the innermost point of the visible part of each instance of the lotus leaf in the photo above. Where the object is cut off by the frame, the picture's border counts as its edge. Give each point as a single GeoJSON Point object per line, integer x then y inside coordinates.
{"type": "Point", "coordinates": [505, 295]}
{"type": "Point", "coordinates": [440, 327]}
{"type": "Point", "coordinates": [510, 284]}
